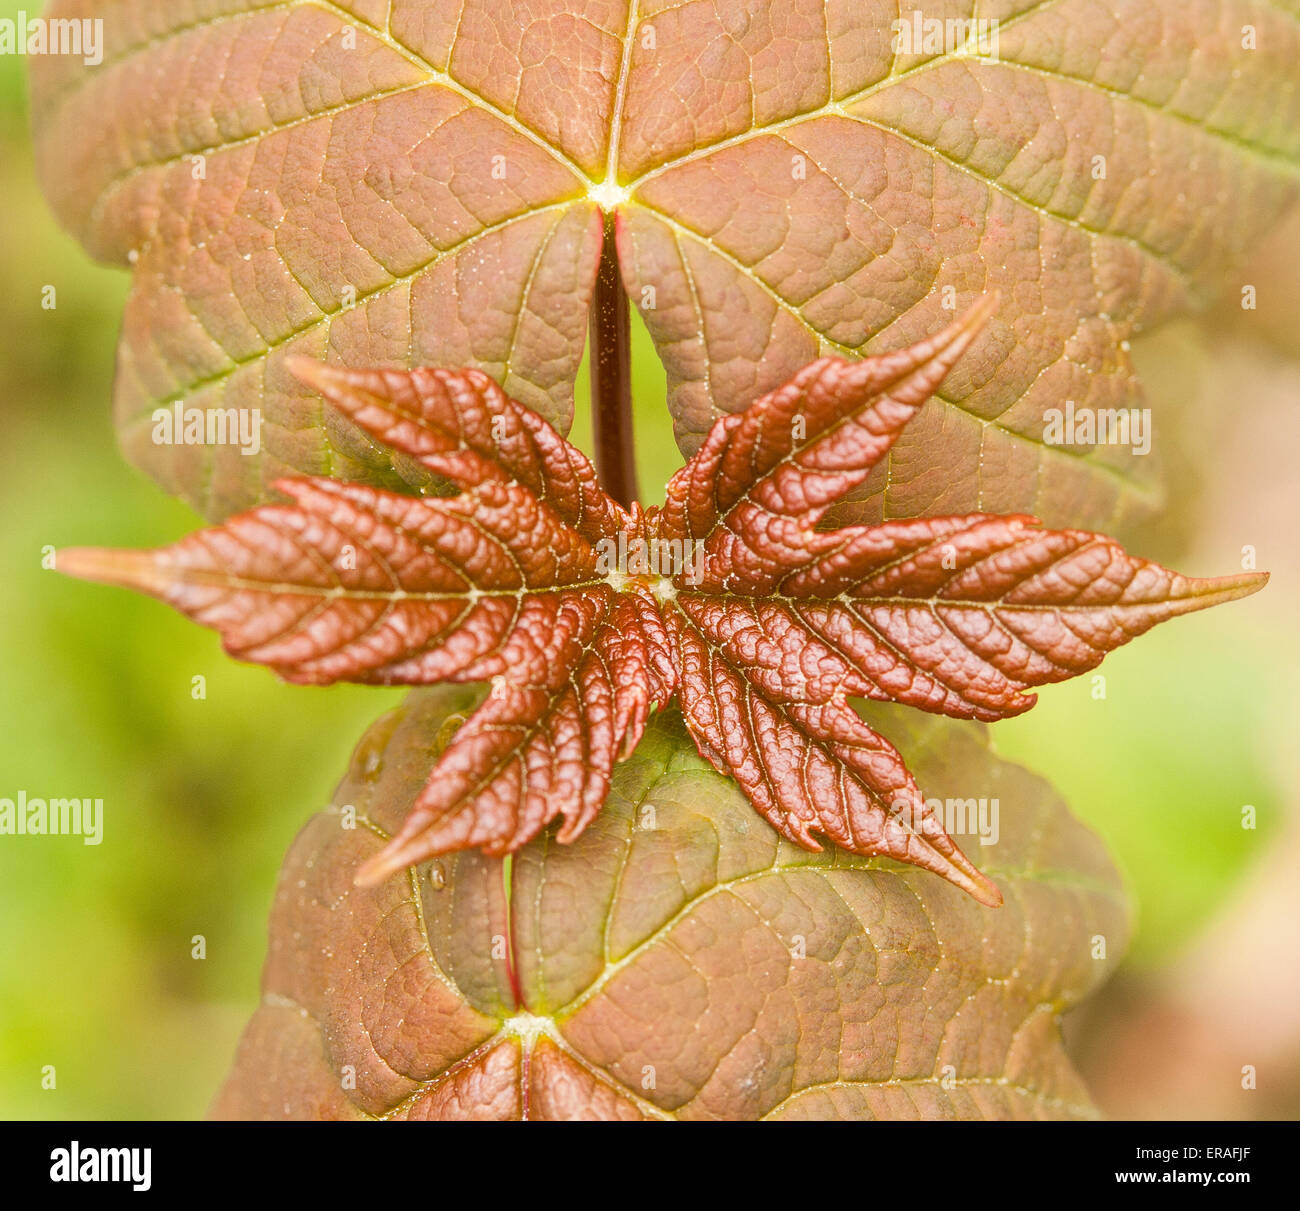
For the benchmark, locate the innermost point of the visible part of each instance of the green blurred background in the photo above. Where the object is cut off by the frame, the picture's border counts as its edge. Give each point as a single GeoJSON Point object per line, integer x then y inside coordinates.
{"type": "Point", "coordinates": [203, 797]}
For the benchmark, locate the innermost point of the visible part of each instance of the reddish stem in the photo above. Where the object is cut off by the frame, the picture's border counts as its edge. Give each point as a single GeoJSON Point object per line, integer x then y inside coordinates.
{"type": "Point", "coordinates": [611, 377]}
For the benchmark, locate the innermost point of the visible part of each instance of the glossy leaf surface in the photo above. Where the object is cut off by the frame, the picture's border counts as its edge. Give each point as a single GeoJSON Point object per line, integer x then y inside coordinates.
{"type": "Point", "coordinates": [585, 618]}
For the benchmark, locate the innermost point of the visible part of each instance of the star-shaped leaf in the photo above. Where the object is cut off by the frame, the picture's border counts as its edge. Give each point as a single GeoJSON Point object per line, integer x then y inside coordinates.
{"type": "Point", "coordinates": [586, 617]}
{"type": "Point", "coordinates": [423, 182]}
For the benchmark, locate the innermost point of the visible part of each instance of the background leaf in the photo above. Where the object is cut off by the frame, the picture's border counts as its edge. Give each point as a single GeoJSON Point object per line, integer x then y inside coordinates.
{"type": "Point", "coordinates": [662, 948]}
{"type": "Point", "coordinates": [786, 185]}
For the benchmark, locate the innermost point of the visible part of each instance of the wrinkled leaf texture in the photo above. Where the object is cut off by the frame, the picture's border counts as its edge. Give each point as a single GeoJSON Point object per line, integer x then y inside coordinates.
{"type": "Point", "coordinates": [421, 182]}
{"type": "Point", "coordinates": [762, 627]}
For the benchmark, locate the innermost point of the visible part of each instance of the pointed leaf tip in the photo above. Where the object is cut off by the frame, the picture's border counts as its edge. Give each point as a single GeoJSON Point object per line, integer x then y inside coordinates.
{"type": "Point", "coordinates": [973, 319]}
{"type": "Point", "coordinates": [1246, 584]}
{"type": "Point", "coordinates": [318, 375]}
{"type": "Point", "coordinates": [921, 367]}
{"type": "Point", "coordinates": [127, 569]}
{"type": "Point", "coordinates": [374, 871]}
{"type": "Point", "coordinates": [401, 852]}
{"type": "Point", "coordinates": [984, 890]}
{"type": "Point", "coordinates": [949, 343]}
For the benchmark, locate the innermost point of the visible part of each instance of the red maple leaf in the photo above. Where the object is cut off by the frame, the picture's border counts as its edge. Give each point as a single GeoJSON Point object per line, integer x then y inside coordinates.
{"type": "Point", "coordinates": [585, 616]}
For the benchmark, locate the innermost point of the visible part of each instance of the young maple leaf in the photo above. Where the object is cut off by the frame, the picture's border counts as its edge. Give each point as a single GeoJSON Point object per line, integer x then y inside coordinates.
{"type": "Point", "coordinates": [729, 597]}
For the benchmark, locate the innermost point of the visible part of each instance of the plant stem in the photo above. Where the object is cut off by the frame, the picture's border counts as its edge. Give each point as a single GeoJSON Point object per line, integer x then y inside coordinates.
{"type": "Point", "coordinates": [611, 377]}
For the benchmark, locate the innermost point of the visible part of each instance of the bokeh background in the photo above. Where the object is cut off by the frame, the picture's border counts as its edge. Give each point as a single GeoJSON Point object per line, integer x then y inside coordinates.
{"type": "Point", "coordinates": [202, 797]}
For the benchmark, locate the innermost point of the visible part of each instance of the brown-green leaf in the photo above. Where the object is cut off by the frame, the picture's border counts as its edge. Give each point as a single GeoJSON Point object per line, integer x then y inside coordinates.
{"type": "Point", "coordinates": [679, 960]}
{"type": "Point", "coordinates": [423, 183]}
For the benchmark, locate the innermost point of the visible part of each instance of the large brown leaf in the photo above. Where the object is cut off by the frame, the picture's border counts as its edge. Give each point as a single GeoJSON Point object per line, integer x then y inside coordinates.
{"type": "Point", "coordinates": [679, 960]}
{"type": "Point", "coordinates": [785, 187]}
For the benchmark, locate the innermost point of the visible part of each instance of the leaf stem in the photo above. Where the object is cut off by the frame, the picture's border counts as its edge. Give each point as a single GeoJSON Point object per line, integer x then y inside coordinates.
{"type": "Point", "coordinates": [611, 377]}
